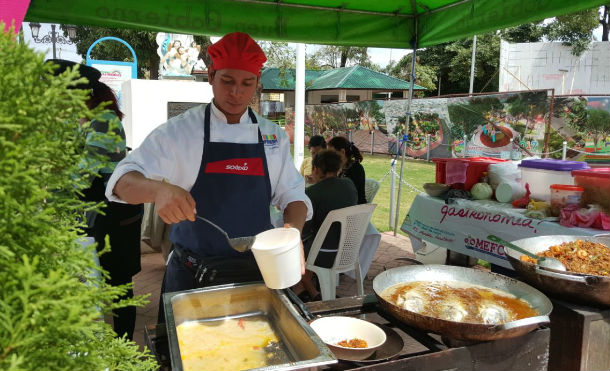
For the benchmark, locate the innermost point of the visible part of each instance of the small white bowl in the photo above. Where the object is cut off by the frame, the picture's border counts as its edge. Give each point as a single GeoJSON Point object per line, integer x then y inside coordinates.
{"type": "Point", "coordinates": [337, 328]}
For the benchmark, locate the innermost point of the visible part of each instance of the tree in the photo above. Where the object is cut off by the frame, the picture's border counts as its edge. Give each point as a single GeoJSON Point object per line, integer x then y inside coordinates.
{"type": "Point", "coordinates": [204, 42]}
{"type": "Point", "coordinates": [451, 61]}
{"type": "Point", "coordinates": [426, 76]}
{"type": "Point", "coordinates": [528, 106]}
{"type": "Point", "coordinates": [524, 33]}
{"type": "Point", "coordinates": [574, 30]}
{"type": "Point", "coordinates": [143, 43]}
{"type": "Point", "coordinates": [334, 56]}
{"type": "Point", "coordinates": [279, 54]}
{"type": "Point", "coordinates": [598, 125]}
{"type": "Point", "coordinates": [594, 123]}
{"type": "Point", "coordinates": [51, 298]}
{"type": "Point", "coordinates": [466, 117]}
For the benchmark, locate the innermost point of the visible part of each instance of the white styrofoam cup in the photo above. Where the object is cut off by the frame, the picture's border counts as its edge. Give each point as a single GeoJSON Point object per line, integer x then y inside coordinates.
{"type": "Point", "coordinates": [278, 255]}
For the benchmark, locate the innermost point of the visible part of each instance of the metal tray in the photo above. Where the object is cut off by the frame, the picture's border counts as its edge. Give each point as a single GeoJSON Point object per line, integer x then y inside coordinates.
{"type": "Point", "coordinates": [301, 347]}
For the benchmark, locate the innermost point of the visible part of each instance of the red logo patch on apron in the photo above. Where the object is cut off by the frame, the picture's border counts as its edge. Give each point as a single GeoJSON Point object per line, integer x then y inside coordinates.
{"type": "Point", "coordinates": [240, 166]}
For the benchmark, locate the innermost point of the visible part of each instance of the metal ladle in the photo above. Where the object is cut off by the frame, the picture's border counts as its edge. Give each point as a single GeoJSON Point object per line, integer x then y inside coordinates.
{"type": "Point", "coordinates": [241, 244]}
{"type": "Point", "coordinates": [543, 262]}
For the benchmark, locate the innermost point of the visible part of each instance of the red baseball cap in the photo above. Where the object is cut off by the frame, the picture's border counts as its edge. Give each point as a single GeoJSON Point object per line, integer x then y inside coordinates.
{"type": "Point", "coordinates": [238, 51]}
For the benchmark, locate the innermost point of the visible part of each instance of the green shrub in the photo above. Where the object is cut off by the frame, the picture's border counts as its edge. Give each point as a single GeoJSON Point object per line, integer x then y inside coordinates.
{"type": "Point", "coordinates": [51, 304]}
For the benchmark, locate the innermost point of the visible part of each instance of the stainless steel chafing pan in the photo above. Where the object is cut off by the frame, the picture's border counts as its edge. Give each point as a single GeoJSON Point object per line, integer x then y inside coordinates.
{"type": "Point", "coordinates": [302, 348]}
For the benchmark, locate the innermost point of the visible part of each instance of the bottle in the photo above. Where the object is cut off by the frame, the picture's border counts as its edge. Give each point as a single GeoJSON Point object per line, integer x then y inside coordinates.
{"type": "Point", "coordinates": [484, 178]}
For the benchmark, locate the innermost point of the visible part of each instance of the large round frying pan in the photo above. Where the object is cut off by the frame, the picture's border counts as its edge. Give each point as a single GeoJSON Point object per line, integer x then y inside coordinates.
{"type": "Point", "coordinates": [574, 287]}
{"type": "Point", "coordinates": [463, 330]}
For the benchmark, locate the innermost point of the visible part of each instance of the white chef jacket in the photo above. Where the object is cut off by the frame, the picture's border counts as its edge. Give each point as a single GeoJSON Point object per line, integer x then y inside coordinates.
{"type": "Point", "coordinates": [172, 152]}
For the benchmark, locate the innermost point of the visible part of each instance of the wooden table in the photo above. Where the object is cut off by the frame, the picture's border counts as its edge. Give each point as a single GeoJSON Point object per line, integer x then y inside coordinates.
{"type": "Point", "coordinates": [580, 338]}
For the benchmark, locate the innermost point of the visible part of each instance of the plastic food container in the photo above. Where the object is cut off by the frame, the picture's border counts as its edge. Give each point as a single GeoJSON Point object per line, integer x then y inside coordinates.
{"type": "Point", "coordinates": [540, 174]}
{"type": "Point", "coordinates": [596, 183]}
{"type": "Point", "coordinates": [563, 195]}
{"type": "Point", "coordinates": [462, 170]}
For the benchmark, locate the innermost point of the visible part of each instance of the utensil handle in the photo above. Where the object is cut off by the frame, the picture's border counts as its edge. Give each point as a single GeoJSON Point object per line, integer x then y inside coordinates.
{"type": "Point", "coordinates": [213, 225]}
{"type": "Point", "coordinates": [538, 320]}
{"type": "Point", "coordinates": [588, 280]}
{"type": "Point", "coordinates": [514, 247]}
{"type": "Point", "coordinates": [299, 303]}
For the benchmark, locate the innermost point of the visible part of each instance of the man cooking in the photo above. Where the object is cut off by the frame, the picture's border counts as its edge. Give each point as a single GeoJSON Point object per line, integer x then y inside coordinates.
{"type": "Point", "coordinates": [219, 161]}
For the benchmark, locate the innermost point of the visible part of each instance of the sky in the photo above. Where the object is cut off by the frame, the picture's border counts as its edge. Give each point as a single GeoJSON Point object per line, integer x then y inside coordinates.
{"type": "Point", "coordinates": [379, 56]}
{"type": "Point", "coordinates": [62, 51]}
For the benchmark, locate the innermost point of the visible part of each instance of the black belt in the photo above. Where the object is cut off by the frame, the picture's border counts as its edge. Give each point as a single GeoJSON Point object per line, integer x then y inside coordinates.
{"type": "Point", "coordinates": [218, 270]}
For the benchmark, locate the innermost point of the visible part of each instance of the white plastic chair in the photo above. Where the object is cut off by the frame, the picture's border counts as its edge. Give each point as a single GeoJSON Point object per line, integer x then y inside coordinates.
{"type": "Point", "coordinates": [371, 186]}
{"type": "Point", "coordinates": [353, 220]}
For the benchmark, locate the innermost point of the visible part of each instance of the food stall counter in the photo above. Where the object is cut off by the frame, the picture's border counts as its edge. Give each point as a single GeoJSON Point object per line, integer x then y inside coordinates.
{"type": "Point", "coordinates": [464, 226]}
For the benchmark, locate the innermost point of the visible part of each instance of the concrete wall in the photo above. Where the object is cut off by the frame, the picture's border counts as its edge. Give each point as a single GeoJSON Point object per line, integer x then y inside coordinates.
{"type": "Point", "coordinates": [145, 103]}
{"type": "Point", "coordinates": [551, 65]}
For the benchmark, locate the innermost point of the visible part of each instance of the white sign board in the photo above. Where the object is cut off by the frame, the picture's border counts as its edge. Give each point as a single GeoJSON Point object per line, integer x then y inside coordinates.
{"type": "Point", "coordinates": [552, 65]}
{"type": "Point", "coordinates": [465, 225]}
{"type": "Point", "coordinates": [114, 75]}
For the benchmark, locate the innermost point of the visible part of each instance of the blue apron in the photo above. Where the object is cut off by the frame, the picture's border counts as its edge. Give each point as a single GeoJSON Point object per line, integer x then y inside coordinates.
{"type": "Point", "coordinates": [232, 190]}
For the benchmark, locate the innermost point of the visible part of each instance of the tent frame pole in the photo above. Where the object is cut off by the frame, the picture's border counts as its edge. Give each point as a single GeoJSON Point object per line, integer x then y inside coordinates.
{"type": "Point", "coordinates": [405, 137]}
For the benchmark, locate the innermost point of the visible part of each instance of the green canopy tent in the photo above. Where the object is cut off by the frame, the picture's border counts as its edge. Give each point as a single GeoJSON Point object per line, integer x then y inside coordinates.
{"type": "Point", "coordinates": [380, 23]}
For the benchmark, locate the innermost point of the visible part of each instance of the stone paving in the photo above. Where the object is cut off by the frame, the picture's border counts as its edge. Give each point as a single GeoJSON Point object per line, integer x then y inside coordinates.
{"type": "Point", "coordinates": [148, 281]}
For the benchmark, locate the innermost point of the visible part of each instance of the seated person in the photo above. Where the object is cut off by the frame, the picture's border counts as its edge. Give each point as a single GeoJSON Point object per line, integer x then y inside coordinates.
{"type": "Point", "coordinates": [351, 167]}
{"type": "Point", "coordinates": [329, 192]}
{"type": "Point", "coordinates": [316, 144]}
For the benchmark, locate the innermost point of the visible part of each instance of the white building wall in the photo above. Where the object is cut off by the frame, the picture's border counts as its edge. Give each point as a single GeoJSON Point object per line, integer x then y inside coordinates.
{"type": "Point", "coordinates": [145, 103]}
{"type": "Point", "coordinates": [540, 65]}
{"type": "Point", "coordinates": [315, 96]}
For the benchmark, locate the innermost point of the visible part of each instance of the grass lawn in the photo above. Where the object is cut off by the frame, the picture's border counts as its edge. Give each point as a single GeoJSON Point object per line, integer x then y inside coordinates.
{"type": "Point", "coordinates": [415, 172]}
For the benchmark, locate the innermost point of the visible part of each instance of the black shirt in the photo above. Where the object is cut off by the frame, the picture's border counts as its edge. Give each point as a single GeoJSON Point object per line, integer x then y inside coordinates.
{"type": "Point", "coordinates": [355, 172]}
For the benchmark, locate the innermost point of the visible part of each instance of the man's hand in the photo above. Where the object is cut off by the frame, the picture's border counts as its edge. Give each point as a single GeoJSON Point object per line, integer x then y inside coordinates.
{"type": "Point", "coordinates": [294, 217]}
{"type": "Point", "coordinates": [174, 204]}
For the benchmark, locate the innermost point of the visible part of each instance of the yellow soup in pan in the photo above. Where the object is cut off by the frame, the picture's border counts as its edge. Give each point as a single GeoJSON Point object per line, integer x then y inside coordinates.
{"type": "Point", "coordinates": [458, 302]}
{"type": "Point", "coordinates": [231, 344]}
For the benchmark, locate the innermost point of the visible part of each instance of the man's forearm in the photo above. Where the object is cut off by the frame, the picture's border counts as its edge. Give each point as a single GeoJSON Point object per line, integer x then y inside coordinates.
{"type": "Point", "coordinates": [135, 188]}
{"type": "Point", "coordinates": [295, 214]}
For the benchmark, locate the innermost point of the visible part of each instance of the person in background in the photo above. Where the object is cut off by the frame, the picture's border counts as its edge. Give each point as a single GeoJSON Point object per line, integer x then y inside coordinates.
{"type": "Point", "coordinates": [121, 222]}
{"type": "Point", "coordinates": [329, 192]}
{"type": "Point", "coordinates": [316, 144]}
{"type": "Point", "coordinates": [219, 161]}
{"type": "Point", "coordinates": [351, 167]}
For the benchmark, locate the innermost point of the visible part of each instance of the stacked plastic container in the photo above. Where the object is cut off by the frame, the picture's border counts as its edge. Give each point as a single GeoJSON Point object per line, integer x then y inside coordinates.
{"type": "Point", "coordinates": [462, 170]}
{"type": "Point", "coordinates": [540, 174]}
{"type": "Point", "coordinates": [596, 184]}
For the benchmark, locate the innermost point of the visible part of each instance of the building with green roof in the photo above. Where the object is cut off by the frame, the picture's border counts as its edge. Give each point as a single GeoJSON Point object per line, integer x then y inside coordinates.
{"type": "Point", "coordinates": [347, 84]}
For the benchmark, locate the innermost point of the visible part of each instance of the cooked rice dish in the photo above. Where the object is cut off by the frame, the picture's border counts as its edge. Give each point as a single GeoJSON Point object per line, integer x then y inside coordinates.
{"type": "Point", "coordinates": [579, 256]}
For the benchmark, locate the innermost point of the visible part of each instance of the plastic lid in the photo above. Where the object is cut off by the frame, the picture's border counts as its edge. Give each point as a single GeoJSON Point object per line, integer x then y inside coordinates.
{"type": "Point", "coordinates": [566, 187]}
{"type": "Point", "coordinates": [598, 172]}
{"type": "Point", "coordinates": [551, 164]}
